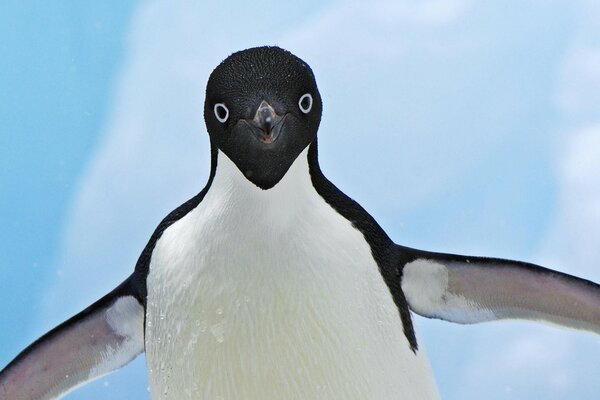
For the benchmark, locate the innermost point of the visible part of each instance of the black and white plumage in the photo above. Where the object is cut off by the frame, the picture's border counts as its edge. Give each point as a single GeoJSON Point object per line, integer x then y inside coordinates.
{"type": "Point", "coordinates": [272, 283]}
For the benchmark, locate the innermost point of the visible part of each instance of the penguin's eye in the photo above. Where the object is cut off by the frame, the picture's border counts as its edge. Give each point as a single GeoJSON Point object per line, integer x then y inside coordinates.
{"type": "Point", "coordinates": [221, 112]}
{"type": "Point", "coordinates": [305, 103]}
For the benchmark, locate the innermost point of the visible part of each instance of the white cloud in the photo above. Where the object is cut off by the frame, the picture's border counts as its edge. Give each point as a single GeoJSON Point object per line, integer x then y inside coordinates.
{"type": "Point", "coordinates": [580, 93]}
{"type": "Point", "coordinates": [575, 235]}
{"type": "Point", "coordinates": [531, 360]}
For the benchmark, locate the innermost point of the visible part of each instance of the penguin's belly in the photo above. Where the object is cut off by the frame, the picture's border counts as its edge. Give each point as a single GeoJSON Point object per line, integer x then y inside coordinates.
{"type": "Point", "coordinates": [274, 308]}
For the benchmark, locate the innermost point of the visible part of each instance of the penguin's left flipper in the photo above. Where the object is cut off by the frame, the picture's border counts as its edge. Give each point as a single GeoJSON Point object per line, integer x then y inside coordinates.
{"type": "Point", "coordinates": [467, 290]}
{"type": "Point", "coordinates": [98, 340]}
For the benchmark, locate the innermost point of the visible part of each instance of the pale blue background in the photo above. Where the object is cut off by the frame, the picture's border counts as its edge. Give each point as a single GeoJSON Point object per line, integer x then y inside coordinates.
{"type": "Point", "coordinates": [462, 126]}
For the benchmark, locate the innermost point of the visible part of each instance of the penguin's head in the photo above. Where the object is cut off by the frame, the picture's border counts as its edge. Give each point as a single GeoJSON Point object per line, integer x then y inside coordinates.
{"type": "Point", "coordinates": [262, 108]}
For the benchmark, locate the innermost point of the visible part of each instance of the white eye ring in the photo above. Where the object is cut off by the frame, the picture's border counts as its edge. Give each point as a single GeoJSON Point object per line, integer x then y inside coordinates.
{"type": "Point", "coordinates": [219, 109]}
{"type": "Point", "coordinates": [305, 103]}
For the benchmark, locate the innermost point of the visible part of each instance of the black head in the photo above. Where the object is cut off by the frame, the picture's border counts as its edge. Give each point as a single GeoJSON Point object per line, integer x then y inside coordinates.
{"type": "Point", "coordinates": [262, 108]}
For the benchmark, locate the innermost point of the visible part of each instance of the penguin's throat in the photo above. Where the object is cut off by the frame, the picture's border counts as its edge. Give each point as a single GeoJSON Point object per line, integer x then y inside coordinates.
{"type": "Point", "coordinates": [279, 206]}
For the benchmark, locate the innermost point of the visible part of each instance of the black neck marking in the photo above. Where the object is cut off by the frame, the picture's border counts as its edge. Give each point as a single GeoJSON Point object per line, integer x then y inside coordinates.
{"type": "Point", "coordinates": [385, 252]}
{"type": "Point", "coordinates": [142, 267]}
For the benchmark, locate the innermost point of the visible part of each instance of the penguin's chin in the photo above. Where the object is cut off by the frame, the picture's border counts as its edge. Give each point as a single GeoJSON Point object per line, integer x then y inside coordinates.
{"type": "Point", "coordinates": [265, 168]}
{"type": "Point", "coordinates": [262, 180]}
{"type": "Point", "coordinates": [265, 164]}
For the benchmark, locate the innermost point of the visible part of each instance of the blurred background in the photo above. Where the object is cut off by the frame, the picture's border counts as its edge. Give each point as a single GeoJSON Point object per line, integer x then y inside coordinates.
{"type": "Point", "coordinates": [462, 126]}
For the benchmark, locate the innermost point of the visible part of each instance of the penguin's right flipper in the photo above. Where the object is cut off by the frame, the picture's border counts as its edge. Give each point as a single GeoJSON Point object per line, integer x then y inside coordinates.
{"type": "Point", "coordinates": [98, 340]}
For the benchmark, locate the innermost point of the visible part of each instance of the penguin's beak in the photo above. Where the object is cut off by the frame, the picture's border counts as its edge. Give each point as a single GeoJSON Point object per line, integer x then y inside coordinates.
{"type": "Point", "coordinates": [266, 124]}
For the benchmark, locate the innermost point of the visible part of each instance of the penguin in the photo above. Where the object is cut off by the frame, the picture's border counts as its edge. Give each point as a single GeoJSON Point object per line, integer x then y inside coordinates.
{"type": "Point", "coordinates": [272, 283]}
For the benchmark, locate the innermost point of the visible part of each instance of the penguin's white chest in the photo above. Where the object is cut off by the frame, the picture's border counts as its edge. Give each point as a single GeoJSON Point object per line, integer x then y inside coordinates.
{"type": "Point", "coordinates": [261, 295]}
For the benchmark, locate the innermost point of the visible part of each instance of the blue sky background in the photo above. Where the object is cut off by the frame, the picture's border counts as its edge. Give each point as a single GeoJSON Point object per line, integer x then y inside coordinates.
{"type": "Point", "coordinates": [462, 126]}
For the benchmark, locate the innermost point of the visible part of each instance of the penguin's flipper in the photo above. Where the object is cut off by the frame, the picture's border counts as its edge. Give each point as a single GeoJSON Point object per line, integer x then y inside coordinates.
{"type": "Point", "coordinates": [98, 340]}
{"type": "Point", "coordinates": [474, 289]}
